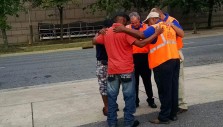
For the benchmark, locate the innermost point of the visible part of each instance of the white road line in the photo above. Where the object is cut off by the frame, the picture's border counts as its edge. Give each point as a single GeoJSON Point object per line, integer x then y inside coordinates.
{"type": "Point", "coordinates": [190, 42]}
{"type": "Point", "coordinates": [203, 46]}
{"type": "Point", "coordinates": [2, 67]}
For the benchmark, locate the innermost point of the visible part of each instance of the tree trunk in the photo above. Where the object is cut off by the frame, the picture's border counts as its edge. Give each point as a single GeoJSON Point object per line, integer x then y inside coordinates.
{"type": "Point", "coordinates": [61, 22]}
{"type": "Point", "coordinates": [30, 29]}
{"type": "Point", "coordinates": [195, 23]}
{"type": "Point", "coordinates": [211, 5]}
{"type": "Point", "coordinates": [194, 27]}
{"type": "Point", "coordinates": [5, 39]}
{"type": "Point", "coordinates": [31, 35]}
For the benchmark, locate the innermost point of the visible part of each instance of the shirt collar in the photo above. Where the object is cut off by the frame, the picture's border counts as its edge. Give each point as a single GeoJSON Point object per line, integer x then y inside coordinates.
{"type": "Point", "coordinates": [158, 21]}
{"type": "Point", "coordinates": [116, 24]}
{"type": "Point", "coordinates": [166, 16]}
{"type": "Point", "coordinates": [141, 25]}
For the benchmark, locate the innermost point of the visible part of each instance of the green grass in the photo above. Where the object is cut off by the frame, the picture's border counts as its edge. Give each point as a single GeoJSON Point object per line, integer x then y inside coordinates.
{"type": "Point", "coordinates": [46, 45]}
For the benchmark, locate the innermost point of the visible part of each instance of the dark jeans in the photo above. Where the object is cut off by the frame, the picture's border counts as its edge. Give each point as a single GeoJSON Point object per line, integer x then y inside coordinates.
{"type": "Point", "coordinates": [142, 69]}
{"type": "Point", "coordinates": [167, 76]}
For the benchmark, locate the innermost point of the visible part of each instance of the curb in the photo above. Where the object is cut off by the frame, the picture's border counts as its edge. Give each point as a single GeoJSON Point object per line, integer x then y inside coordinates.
{"type": "Point", "coordinates": [188, 35]}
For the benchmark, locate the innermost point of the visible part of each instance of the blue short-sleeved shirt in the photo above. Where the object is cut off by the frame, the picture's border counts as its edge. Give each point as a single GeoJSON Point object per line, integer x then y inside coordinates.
{"type": "Point", "coordinates": [151, 30]}
{"type": "Point", "coordinates": [174, 21]}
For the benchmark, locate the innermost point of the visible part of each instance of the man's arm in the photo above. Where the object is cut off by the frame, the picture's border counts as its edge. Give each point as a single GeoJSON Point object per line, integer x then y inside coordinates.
{"type": "Point", "coordinates": [94, 42]}
{"type": "Point", "coordinates": [178, 30]}
{"type": "Point", "coordinates": [131, 32]}
{"type": "Point", "coordinates": [176, 26]}
{"type": "Point", "coordinates": [142, 43]}
{"type": "Point", "coordinates": [98, 39]}
{"type": "Point", "coordinates": [102, 31]}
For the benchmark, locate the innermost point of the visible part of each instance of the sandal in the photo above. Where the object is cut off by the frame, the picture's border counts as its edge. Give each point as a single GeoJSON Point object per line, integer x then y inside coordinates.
{"type": "Point", "coordinates": [104, 112]}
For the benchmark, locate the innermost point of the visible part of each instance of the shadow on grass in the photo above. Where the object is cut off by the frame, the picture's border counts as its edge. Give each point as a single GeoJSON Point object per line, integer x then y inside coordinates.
{"type": "Point", "coordinates": [10, 49]}
{"type": "Point", "coordinates": [46, 45]}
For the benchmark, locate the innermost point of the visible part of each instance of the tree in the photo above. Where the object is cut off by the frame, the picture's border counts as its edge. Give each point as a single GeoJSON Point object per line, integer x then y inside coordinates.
{"type": "Point", "coordinates": [28, 5]}
{"type": "Point", "coordinates": [59, 4]}
{"type": "Point", "coordinates": [145, 5]}
{"type": "Point", "coordinates": [8, 8]}
{"type": "Point", "coordinates": [194, 7]}
{"type": "Point", "coordinates": [212, 5]}
{"type": "Point", "coordinates": [112, 6]}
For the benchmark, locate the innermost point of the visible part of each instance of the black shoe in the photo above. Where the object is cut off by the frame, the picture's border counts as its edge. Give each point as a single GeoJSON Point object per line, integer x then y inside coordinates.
{"type": "Point", "coordinates": [113, 126]}
{"type": "Point", "coordinates": [180, 110]}
{"type": "Point", "coordinates": [173, 118]}
{"type": "Point", "coordinates": [135, 124]}
{"type": "Point", "coordinates": [157, 121]}
{"type": "Point", "coordinates": [153, 105]}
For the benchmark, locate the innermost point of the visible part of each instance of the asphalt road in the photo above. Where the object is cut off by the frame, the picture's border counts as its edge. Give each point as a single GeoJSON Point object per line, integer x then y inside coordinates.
{"type": "Point", "coordinates": [38, 69]}
{"type": "Point", "coordinates": [202, 115]}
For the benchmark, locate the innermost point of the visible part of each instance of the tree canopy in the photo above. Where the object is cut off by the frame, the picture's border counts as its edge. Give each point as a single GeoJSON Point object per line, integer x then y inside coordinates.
{"type": "Point", "coordinates": [112, 6]}
{"type": "Point", "coordinates": [59, 4]}
{"type": "Point", "coordinates": [8, 8]}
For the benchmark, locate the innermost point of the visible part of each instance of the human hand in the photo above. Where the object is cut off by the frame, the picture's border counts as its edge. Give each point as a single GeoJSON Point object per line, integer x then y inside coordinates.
{"type": "Point", "coordinates": [103, 31]}
{"type": "Point", "coordinates": [119, 29]}
{"type": "Point", "coordinates": [168, 23]}
{"type": "Point", "coordinates": [158, 30]}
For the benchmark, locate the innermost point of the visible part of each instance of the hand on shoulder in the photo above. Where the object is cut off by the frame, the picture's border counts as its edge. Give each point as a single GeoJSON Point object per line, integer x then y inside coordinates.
{"type": "Point", "coordinates": [119, 29]}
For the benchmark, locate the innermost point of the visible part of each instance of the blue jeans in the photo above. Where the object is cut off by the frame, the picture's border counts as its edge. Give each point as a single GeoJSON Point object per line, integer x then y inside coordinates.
{"type": "Point", "coordinates": [128, 89]}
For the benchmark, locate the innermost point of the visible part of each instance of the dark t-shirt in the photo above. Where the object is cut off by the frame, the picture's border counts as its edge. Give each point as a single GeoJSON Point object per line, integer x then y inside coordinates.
{"type": "Point", "coordinates": [101, 52]}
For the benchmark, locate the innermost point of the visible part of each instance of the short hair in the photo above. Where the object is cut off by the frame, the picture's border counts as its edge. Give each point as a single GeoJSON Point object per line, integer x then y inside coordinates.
{"type": "Point", "coordinates": [134, 14]}
{"type": "Point", "coordinates": [107, 23]}
{"type": "Point", "coordinates": [121, 14]}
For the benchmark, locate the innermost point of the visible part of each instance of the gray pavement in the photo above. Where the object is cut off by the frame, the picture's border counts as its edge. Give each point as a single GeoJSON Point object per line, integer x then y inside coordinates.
{"type": "Point", "coordinates": [78, 103]}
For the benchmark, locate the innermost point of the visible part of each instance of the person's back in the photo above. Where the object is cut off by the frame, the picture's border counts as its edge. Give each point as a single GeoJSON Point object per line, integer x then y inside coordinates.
{"type": "Point", "coordinates": [119, 49]}
{"type": "Point", "coordinates": [120, 72]}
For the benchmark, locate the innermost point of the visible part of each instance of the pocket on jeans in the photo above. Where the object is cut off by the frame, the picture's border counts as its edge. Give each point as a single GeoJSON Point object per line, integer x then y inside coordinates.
{"type": "Point", "coordinates": [111, 78]}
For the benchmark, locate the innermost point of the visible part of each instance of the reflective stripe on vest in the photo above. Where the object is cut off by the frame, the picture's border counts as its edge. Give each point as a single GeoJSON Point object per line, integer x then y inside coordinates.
{"type": "Point", "coordinates": [165, 47]}
{"type": "Point", "coordinates": [165, 42]}
{"type": "Point", "coordinates": [178, 39]}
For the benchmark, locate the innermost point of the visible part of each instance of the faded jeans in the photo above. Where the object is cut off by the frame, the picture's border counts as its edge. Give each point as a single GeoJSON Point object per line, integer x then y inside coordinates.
{"type": "Point", "coordinates": [128, 90]}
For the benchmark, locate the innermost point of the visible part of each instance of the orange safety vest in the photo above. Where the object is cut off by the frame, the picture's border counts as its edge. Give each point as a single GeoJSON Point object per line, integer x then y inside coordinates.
{"type": "Point", "coordinates": [178, 39]}
{"type": "Point", "coordinates": [165, 47]}
{"type": "Point", "coordinates": [136, 49]}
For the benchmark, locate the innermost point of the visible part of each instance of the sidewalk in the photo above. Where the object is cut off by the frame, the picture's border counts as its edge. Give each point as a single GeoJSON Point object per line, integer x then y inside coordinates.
{"type": "Point", "coordinates": [203, 32]}
{"type": "Point", "coordinates": [76, 103]}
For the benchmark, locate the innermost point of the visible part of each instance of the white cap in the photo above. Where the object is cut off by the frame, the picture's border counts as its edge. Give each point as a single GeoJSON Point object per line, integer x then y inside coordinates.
{"type": "Point", "coordinates": [152, 15]}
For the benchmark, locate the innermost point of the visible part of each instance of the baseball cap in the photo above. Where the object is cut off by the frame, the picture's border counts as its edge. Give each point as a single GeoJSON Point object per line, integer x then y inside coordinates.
{"type": "Point", "coordinates": [152, 15]}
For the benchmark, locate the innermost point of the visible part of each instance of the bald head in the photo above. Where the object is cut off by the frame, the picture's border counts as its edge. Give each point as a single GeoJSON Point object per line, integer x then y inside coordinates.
{"type": "Point", "coordinates": [121, 19]}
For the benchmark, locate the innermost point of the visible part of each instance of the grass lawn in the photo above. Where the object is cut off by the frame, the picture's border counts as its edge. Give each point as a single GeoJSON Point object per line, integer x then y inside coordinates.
{"type": "Point", "coordinates": [46, 45]}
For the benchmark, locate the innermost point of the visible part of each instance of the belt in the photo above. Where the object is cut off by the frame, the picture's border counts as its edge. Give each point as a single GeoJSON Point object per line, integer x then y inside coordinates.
{"type": "Point", "coordinates": [104, 62]}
